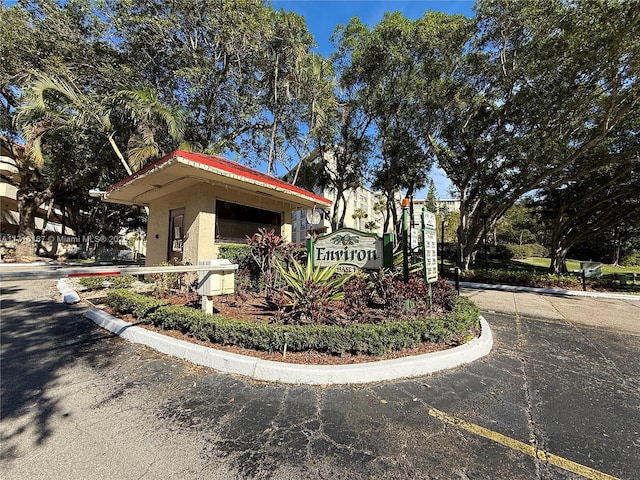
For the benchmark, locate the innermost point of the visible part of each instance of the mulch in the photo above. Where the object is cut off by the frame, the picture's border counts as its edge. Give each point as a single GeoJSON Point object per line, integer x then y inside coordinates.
{"type": "Point", "coordinates": [253, 308]}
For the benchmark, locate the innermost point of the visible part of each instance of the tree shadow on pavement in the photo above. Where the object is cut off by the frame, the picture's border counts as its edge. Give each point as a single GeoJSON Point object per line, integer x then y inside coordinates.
{"type": "Point", "coordinates": [39, 339]}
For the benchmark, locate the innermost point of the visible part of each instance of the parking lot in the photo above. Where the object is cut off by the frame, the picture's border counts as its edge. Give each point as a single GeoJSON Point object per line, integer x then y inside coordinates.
{"type": "Point", "coordinates": [558, 398]}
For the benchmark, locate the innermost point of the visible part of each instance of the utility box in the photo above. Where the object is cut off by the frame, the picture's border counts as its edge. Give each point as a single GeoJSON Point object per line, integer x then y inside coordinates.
{"type": "Point", "coordinates": [591, 269]}
{"type": "Point", "coordinates": [220, 280]}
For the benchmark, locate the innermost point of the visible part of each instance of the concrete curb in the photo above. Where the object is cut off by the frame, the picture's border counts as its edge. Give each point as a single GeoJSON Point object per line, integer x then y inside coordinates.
{"type": "Point", "coordinates": [270, 371]}
{"type": "Point", "coordinates": [68, 294]}
{"type": "Point", "coordinates": [547, 291]}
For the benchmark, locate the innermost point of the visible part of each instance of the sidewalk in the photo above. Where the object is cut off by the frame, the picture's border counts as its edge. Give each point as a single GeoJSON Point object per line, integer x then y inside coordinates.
{"type": "Point", "coordinates": [601, 311]}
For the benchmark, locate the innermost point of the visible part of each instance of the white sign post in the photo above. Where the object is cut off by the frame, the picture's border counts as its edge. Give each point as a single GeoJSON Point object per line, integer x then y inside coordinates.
{"type": "Point", "coordinates": [413, 238]}
{"type": "Point", "coordinates": [429, 246]}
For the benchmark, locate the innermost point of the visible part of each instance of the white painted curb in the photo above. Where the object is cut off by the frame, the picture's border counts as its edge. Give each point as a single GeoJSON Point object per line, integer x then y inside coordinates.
{"type": "Point", "coordinates": [270, 371]}
{"type": "Point", "coordinates": [68, 294]}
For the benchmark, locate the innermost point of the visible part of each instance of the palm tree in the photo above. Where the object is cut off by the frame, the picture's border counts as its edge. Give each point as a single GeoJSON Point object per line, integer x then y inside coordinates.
{"type": "Point", "coordinates": [56, 115]}
{"type": "Point", "coordinates": [53, 104]}
{"type": "Point", "coordinates": [359, 214]}
{"type": "Point", "coordinates": [315, 83]}
{"type": "Point", "coordinates": [143, 108]}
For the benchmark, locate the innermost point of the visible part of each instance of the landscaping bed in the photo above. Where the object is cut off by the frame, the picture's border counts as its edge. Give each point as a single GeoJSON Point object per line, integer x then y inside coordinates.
{"type": "Point", "coordinates": [292, 311]}
{"type": "Point", "coordinates": [310, 357]}
{"type": "Point", "coordinates": [246, 325]}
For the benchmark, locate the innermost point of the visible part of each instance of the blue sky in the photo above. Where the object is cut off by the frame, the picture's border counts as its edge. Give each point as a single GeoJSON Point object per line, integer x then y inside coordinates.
{"type": "Point", "coordinates": [323, 16]}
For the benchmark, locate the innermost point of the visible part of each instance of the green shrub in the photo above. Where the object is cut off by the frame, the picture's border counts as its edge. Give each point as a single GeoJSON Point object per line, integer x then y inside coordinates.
{"type": "Point", "coordinates": [520, 277]}
{"type": "Point", "coordinates": [510, 251]}
{"type": "Point", "coordinates": [125, 301]}
{"type": "Point", "coordinates": [631, 260]}
{"type": "Point", "coordinates": [526, 251]}
{"type": "Point", "coordinates": [116, 281]}
{"type": "Point", "coordinates": [463, 317]}
{"type": "Point", "coordinates": [309, 290]}
{"type": "Point", "coordinates": [498, 252]}
{"type": "Point", "coordinates": [92, 283]}
{"type": "Point", "coordinates": [369, 339]}
{"type": "Point", "coordinates": [122, 281]}
{"type": "Point", "coordinates": [248, 277]}
{"type": "Point", "coordinates": [236, 253]}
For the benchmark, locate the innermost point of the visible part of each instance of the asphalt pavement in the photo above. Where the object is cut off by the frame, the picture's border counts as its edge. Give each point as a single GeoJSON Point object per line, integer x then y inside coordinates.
{"type": "Point", "coordinates": [558, 397]}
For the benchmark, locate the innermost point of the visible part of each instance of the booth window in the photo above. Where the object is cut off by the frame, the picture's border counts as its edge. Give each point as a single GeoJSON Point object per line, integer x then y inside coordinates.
{"type": "Point", "coordinates": [234, 222]}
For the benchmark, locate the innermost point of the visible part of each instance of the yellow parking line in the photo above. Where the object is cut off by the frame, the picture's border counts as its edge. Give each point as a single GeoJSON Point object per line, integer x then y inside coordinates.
{"type": "Point", "coordinates": [522, 447]}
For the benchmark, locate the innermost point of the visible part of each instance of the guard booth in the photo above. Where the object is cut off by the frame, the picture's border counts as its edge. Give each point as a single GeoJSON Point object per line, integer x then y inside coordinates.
{"type": "Point", "coordinates": [197, 202]}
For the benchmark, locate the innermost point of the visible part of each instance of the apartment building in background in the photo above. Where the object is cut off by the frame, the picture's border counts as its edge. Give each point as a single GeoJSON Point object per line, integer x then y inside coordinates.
{"type": "Point", "coordinates": [448, 205]}
{"type": "Point", "coordinates": [47, 218]}
{"type": "Point", "coordinates": [363, 208]}
{"type": "Point", "coordinates": [361, 214]}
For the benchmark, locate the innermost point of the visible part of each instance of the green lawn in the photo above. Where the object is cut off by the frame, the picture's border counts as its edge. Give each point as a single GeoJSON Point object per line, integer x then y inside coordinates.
{"type": "Point", "coordinates": [534, 272]}
{"type": "Point", "coordinates": [543, 264]}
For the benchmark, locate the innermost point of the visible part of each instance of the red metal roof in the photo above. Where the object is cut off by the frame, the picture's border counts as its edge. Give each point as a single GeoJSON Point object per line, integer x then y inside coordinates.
{"type": "Point", "coordinates": [228, 166]}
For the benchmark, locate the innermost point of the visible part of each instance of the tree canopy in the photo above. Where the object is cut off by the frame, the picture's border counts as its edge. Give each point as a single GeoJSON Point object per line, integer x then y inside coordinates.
{"type": "Point", "coordinates": [522, 97]}
{"type": "Point", "coordinates": [130, 81]}
{"type": "Point", "coordinates": [529, 97]}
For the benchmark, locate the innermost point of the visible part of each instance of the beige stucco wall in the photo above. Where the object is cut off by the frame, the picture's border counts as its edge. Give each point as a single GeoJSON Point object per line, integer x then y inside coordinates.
{"type": "Point", "coordinates": [199, 224]}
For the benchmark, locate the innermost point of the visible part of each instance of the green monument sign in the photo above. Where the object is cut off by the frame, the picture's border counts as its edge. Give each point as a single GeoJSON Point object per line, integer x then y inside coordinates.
{"type": "Point", "coordinates": [352, 249]}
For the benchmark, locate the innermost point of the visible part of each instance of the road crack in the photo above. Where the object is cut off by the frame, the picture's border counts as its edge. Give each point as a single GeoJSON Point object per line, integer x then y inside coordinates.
{"type": "Point", "coordinates": [537, 438]}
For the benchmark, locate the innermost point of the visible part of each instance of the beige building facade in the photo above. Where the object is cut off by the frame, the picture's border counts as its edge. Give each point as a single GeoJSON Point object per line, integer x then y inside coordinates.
{"type": "Point", "coordinates": [361, 214]}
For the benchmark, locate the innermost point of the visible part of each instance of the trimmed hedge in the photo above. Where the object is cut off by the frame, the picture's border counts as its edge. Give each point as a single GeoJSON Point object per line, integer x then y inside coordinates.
{"type": "Point", "coordinates": [369, 339]}
{"type": "Point", "coordinates": [140, 306]}
{"type": "Point", "coordinates": [508, 251]}
{"type": "Point", "coordinates": [520, 277]}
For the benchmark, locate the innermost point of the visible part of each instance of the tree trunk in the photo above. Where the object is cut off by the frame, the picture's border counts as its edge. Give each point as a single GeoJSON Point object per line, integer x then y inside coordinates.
{"type": "Point", "coordinates": [29, 197]}
{"type": "Point", "coordinates": [26, 243]}
{"type": "Point", "coordinates": [274, 128]}
{"type": "Point", "coordinates": [557, 249]}
{"type": "Point", "coordinates": [558, 261]}
{"type": "Point", "coordinates": [616, 248]}
{"type": "Point", "coordinates": [616, 255]}
{"type": "Point", "coordinates": [466, 249]}
{"type": "Point", "coordinates": [344, 212]}
{"type": "Point", "coordinates": [337, 216]}
{"type": "Point", "coordinates": [466, 242]}
{"type": "Point", "coordinates": [395, 220]}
